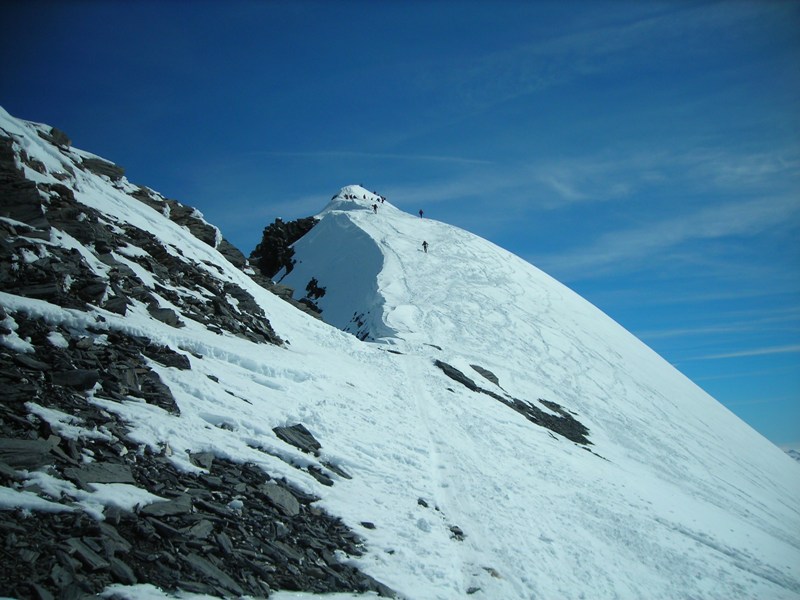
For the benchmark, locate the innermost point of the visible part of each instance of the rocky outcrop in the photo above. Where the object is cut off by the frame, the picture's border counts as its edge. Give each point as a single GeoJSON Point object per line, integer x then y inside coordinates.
{"type": "Point", "coordinates": [191, 219]}
{"type": "Point", "coordinates": [274, 252]}
{"type": "Point", "coordinates": [563, 422]}
{"type": "Point", "coordinates": [55, 136]}
{"type": "Point", "coordinates": [20, 197]}
{"type": "Point", "coordinates": [33, 267]}
{"type": "Point", "coordinates": [98, 166]}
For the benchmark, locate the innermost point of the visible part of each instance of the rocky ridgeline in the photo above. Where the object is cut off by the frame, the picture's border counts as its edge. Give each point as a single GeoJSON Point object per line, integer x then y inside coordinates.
{"type": "Point", "coordinates": [274, 252]}
{"type": "Point", "coordinates": [226, 530]}
{"type": "Point", "coordinates": [32, 266]}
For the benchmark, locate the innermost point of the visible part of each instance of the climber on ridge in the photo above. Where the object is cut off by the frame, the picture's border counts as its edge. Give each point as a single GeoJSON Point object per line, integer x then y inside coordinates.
{"type": "Point", "coordinates": [425, 246]}
{"type": "Point", "coordinates": [420, 213]}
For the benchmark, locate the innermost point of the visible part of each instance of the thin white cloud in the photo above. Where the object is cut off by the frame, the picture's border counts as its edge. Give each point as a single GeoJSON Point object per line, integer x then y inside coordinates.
{"type": "Point", "coordinates": [791, 349]}
{"type": "Point", "coordinates": [600, 41]}
{"type": "Point", "coordinates": [738, 374]}
{"type": "Point", "coordinates": [784, 320]}
{"type": "Point", "coordinates": [759, 401]}
{"type": "Point", "coordinates": [692, 331]}
{"type": "Point", "coordinates": [629, 249]}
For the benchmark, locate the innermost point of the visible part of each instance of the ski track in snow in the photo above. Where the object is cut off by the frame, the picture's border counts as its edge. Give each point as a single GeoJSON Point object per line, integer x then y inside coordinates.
{"type": "Point", "coordinates": [681, 499]}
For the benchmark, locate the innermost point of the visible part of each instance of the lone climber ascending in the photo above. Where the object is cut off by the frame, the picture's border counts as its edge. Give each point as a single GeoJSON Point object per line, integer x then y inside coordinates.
{"type": "Point", "coordinates": [425, 246]}
{"type": "Point", "coordinates": [420, 213]}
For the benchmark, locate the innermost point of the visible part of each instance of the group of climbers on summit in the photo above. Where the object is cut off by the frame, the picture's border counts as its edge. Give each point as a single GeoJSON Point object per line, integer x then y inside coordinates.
{"type": "Point", "coordinates": [374, 207]}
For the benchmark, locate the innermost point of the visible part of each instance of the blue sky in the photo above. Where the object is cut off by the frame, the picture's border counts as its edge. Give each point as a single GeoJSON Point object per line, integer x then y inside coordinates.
{"type": "Point", "coordinates": [645, 154]}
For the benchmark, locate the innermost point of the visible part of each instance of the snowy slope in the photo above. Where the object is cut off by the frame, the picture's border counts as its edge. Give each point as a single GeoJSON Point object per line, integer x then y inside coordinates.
{"type": "Point", "coordinates": [674, 497]}
{"type": "Point", "coordinates": [687, 492]}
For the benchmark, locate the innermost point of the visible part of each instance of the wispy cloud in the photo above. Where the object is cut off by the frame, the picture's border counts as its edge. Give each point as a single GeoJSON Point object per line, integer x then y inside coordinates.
{"type": "Point", "coordinates": [739, 374]}
{"type": "Point", "coordinates": [723, 168]}
{"type": "Point", "coordinates": [629, 249]}
{"type": "Point", "coordinates": [692, 331]}
{"type": "Point", "coordinates": [600, 41]}
{"type": "Point", "coordinates": [762, 320]}
{"type": "Point", "coordinates": [761, 401]}
{"type": "Point", "coordinates": [791, 349]}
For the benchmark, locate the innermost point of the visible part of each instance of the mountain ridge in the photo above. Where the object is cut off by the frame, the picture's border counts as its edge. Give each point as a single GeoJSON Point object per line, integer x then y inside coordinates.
{"type": "Point", "coordinates": [152, 359]}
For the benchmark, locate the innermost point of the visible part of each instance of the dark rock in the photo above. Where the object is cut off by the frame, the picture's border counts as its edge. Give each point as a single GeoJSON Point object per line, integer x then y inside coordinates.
{"type": "Point", "coordinates": [179, 506]}
{"type": "Point", "coordinates": [281, 497]}
{"type": "Point", "coordinates": [79, 379]}
{"type": "Point", "coordinates": [21, 199]}
{"type": "Point", "coordinates": [282, 291]}
{"type": "Point", "coordinates": [274, 252]}
{"type": "Point", "coordinates": [154, 391]}
{"type": "Point", "coordinates": [297, 435]}
{"type": "Point", "coordinates": [564, 424]}
{"type": "Point", "coordinates": [99, 166]}
{"type": "Point", "coordinates": [117, 304]}
{"type": "Point", "coordinates": [164, 530]}
{"type": "Point", "coordinates": [26, 454]}
{"type": "Point", "coordinates": [55, 136]}
{"type": "Point", "coordinates": [100, 473]}
{"type": "Point", "coordinates": [40, 593]}
{"type": "Point", "coordinates": [165, 315]}
{"type": "Point", "coordinates": [189, 218]}
{"type": "Point", "coordinates": [6, 472]}
{"type": "Point", "coordinates": [224, 542]}
{"type": "Point", "coordinates": [202, 459]}
{"type": "Point", "coordinates": [167, 357]}
{"type": "Point", "coordinates": [311, 305]}
{"type": "Point", "coordinates": [114, 542]}
{"type": "Point", "coordinates": [456, 533]}
{"type": "Point", "coordinates": [121, 572]}
{"type": "Point", "coordinates": [232, 254]}
{"type": "Point", "coordinates": [457, 375]}
{"type": "Point", "coordinates": [90, 290]}
{"type": "Point", "coordinates": [207, 569]}
{"type": "Point", "coordinates": [28, 362]}
{"type": "Point", "coordinates": [200, 530]}
{"type": "Point", "coordinates": [90, 559]}
{"type": "Point", "coordinates": [487, 374]}
{"type": "Point", "coordinates": [337, 469]}
{"type": "Point", "coordinates": [317, 474]}
{"type": "Point", "coordinates": [41, 291]}
{"type": "Point", "coordinates": [213, 508]}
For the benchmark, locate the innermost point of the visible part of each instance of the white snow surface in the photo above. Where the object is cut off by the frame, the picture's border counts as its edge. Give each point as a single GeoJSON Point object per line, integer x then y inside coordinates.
{"type": "Point", "coordinates": [678, 498]}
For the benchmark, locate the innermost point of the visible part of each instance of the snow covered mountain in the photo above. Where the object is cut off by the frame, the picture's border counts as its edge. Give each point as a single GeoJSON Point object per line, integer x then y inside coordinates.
{"type": "Point", "coordinates": [460, 423]}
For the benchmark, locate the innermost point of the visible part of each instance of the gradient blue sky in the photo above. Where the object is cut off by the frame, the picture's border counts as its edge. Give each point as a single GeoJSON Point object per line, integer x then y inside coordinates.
{"type": "Point", "coordinates": [647, 154]}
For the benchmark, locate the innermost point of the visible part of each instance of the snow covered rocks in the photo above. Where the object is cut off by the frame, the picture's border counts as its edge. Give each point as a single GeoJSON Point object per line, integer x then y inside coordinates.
{"type": "Point", "coordinates": [84, 503]}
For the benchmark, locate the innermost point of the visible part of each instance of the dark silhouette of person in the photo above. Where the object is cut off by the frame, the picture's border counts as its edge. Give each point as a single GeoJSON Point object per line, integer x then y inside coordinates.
{"type": "Point", "coordinates": [375, 208]}
{"type": "Point", "coordinates": [420, 213]}
{"type": "Point", "coordinates": [425, 246]}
